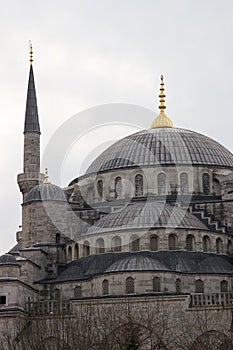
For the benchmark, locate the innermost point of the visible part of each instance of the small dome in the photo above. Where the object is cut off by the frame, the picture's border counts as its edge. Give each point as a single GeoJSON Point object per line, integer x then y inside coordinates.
{"type": "Point", "coordinates": [137, 263]}
{"type": "Point", "coordinates": [162, 146]}
{"type": "Point", "coordinates": [45, 192]}
{"type": "Point", "coordinates": [146, 215]}
{"type": "Point", "coordinates": [6, 259]}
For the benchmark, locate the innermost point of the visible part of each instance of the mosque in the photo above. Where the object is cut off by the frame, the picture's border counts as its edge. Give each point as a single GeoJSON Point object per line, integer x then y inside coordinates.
{"type": "Point", "coordinates": [150, 220]}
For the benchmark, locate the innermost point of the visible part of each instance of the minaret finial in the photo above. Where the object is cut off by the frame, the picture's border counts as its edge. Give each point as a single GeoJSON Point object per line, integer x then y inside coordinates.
{"type": "Point", "coordinates": [31, 51]}
{"type": "Point", "coordinates": [46, 177]}
{"type": "Point", "coordinates": [162, 96]}
{"type": "Point", "coordinates": [162, 121]}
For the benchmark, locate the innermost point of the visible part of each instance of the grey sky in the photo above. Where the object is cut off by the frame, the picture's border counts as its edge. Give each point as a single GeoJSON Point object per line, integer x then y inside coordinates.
{"type": "Point", "coordinates": [90, 53]}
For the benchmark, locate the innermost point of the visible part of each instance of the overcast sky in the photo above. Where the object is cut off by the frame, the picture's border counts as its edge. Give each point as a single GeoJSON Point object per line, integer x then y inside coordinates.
{"type": "Point", "coordinates": [89, 53]}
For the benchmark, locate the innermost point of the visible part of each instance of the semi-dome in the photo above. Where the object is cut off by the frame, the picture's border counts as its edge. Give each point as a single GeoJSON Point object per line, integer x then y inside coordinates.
{"type": "Point", "coordinates": [7, 259]}
{"type": "Point", "coordinates": [136, 262]}
{"type": "Point", "coordinates": [45, 192]}
{"type": "Point", "coordinates": [146, 215]}
{"type": "Point", "coordinates": [162, 146]}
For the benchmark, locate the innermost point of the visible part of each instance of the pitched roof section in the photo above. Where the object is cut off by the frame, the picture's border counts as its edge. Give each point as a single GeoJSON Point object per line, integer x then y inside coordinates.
{"type": "Point", "coordinates": [31, 114]}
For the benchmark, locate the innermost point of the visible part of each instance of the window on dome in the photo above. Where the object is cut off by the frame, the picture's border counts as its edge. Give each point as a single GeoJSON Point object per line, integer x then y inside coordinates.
{"type": "Point", "coordinates": [172, 242]}
{"type": "Point", "coordinates": [69, 254]}
{"type": "Point", "coordinates": [76, 251]}
{"type": "Point", "coordinates": [190, 243]}
{"type": "Point", "coordinates": [229, 247]}
{"type": "Point", "coordinates": [156, 284]}
{"type": "Point", "coordinates": [216, 187]}
{"type": "Point", "coordinates": [224, 286]}
{"type": "Point", "coordinates": [86, 248]}
{"type": "Point", "coordinates": [154, 243]}
{"type": "Point", "coordinates": [206, 244]}
{"type": "Point", "coordinates": [100, 246]}
{"type": "Point", "coordinates": [56, 294]}
{"type": "Point", "coordinates": [178, 286]}
{"type": "Point", "coordinates": [138, 185]}
{"type": "Point", "coordinates": [184, 183]}
{"type": "Point", "coordinates": [129, 285]}
{"type": "Point", "coordinates": [105, 290]}
{"type": "Point", "coordinates": [118, 187]}
{"type": "Point", "coordinates": [134, 243]}
{"type": "Point", "coordinates": [116, 244]}
{"type": "Point", "coordinates": [78, 292]}
{"type": "Point", "coordinates": [219, 246]}
{"type": "Point", "coordinates": [100, 188]}
{"type": "Point", "coordinates": [206, 183]}
{"type": "Point", "coordinates": [161, 183]}
{"type": "Point", "coordinates": [199, 286]}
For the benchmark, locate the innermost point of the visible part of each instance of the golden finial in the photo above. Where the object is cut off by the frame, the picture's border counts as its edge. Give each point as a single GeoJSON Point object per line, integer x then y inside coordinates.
{"type": "Point", "coordinates": [31, 51]}
{"type": "Point", "coordinates": [162, 121]}
{"type": "Point", "coordinates": [46, 177]}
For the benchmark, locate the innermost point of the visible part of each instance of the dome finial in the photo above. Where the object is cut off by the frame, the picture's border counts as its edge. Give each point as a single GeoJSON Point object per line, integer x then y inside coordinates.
{"type": "Point", "coordinates": [162, 121]}
{"type": "Point", "coordinates": [31, 52]}
{"type": "Point", "coordinates": [46, 177]}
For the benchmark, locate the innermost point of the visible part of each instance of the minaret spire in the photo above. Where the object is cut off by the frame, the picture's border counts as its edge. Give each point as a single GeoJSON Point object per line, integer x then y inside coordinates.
{"type": "Point", "coordinates": [31, 163]}
{"type": "Point", "coordinates": [162, 121]}
{"type": "Point", "coordinates": [31, 114]}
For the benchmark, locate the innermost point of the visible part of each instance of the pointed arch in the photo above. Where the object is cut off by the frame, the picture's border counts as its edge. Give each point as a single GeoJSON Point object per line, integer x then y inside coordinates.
{"type": "Point", "coordinates": [138, 183]}
{"type": "Point", "coordinates": [184, 183]}
{"type": "Point", "coordinates": [161, 183]}
{"type": "Point", "coordinates": [206, 183]}
{"type": "Point", "coordinates": [116, 244]}
{"type": "Point", "coordinates": [100, 246]}
{"type": "Point", "coordinates": [129, 285]}
{"type": "Point", "coordinates": [86, 248]}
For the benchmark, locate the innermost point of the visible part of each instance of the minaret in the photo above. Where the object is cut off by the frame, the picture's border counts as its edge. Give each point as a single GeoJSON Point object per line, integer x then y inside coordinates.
{"type": "Point", "coordinates": [31, 162]}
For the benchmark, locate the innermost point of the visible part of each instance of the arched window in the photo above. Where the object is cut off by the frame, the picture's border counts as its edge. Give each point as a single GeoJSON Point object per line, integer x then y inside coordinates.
{"type": "Point", "coordinates": [100, 188]}
{"type": "Point", "coordinates": [206, 183]}
{"type": "Point", "coordinates": [156, 284]}
{"type": "Point", "coordinates": [229, 247]}
{"type": "Point", "coordinates": [172, 242]}
{"type": "Point", "coordinates": [78, 292]}
{"type": "Point", "coordinates": [216, 187]}
{"type": "Point", "coordinates": [138, 185]}
{"type": "Point", "coordinates": [219, 246]}
{"type": "Point", "coordinates": [224, 286]}
{"type": "Point", "coordinates": [105, 290]}
{"type": "Point", "coordinates": [69, 255]}
{"type": "Point", "coordinates": [206, 244]}
{"type": "Point", "coordinates": [199, 286]}
{"type": "Point", "coordinates": [184, 186]}
{"type": "Point", "coordinates": [58, 238]}
{"type": "Point", "coordinates": [161, 183]}
{"type": "Point", "coordinates": [86, 248]}
{"type": "Point", "coordinates": [116, 244]}
{"type": "Point", "coordinates": [56, 294]}
{"type": "Point", "coordinates": [118, 187]}
{"type": "Point", "coordinates": [154, 243]}
{"type": "Point", "coordinates": [178, 286]}
{"type": "Point", "coordinates": [100, 246]}
{"type": "Point", "coordinates": [76, 251]}
{"type": "Point", "coordinates": [129, 285]}
{"type": "Point", "coordinates": [190, 243]}
{"type": "Point", "coordinates": [134, 243]}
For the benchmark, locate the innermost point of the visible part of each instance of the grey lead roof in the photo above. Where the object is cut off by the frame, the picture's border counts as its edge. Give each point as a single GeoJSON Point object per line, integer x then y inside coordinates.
{"type": "Point", "coordinates": [45, 192]}
{"type": "Point", "coordinates": [177, 261]}
{"type": "Point", "coordinates": [162, 146]}
{"type": "Point", "coordinates": [31, 114]}
{"type": "Point", "coordinates": [146, 215]}
{"type": "Point", "coordinates": [8, 259]}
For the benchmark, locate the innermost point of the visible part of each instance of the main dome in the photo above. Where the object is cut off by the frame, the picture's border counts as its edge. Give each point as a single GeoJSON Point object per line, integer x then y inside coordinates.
{"type": "Point", "coordinates": [162, 146]}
